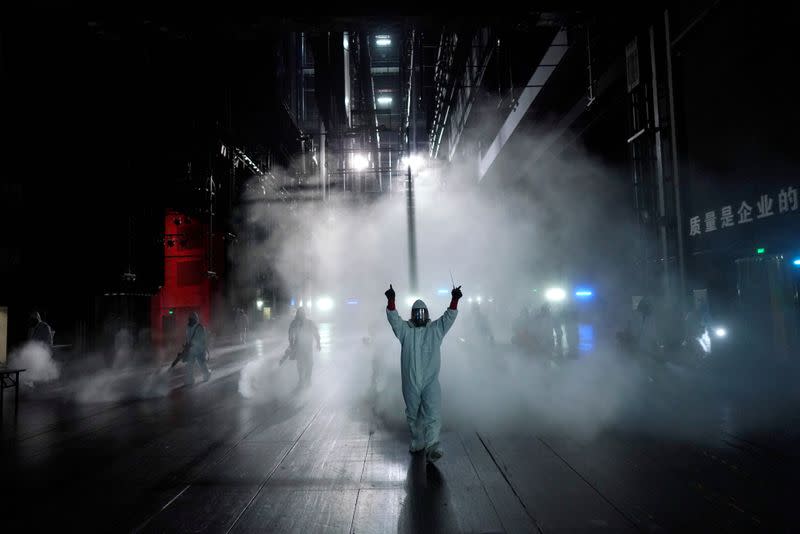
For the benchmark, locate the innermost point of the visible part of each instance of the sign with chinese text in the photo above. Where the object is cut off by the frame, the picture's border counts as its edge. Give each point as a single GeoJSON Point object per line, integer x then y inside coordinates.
{"type": "Point", "coordinates": [745, 213]}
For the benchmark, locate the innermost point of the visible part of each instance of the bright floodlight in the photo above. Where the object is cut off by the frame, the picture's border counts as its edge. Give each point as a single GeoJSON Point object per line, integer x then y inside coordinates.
{"type": "Point", "coordinates": [383, 40]}
{"type": "Point", "coordinates": [414, 161]}
{"type": "Point", "coordinates": [796, 262]}
{"type": "Point", "coordinates": [443, 291]}
{"type": "Point", "coordinates": [555, 294]}
{"type": "Point", "coordinates": [384, 100]}
{"type": "Point", "coordinates": [259, 304]}
{"type": "Point", "coordinates": [325, 303]}
{"type": "Point", "coordinates": [583, 293]}
{"type": "Point", "coordinates": [720, 332]}
{"type": "Point", "coordinates": [360, 162]}
{"type": "Point", "coordinates": [478, 298]}
{"type": "Point", "coordinates": [411, 300]}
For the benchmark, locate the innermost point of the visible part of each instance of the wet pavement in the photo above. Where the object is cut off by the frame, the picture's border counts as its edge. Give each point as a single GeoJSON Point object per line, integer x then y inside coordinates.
{"type": "Point", "coordinates": [205, 459]}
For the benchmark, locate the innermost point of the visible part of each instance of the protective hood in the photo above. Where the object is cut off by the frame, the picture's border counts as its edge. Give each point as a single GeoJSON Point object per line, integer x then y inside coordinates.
{"type": "Point", "coordinates": [419, 313]}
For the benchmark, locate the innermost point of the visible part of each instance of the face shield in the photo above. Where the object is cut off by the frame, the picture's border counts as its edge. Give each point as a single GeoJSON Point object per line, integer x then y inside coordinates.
{"type": "Point", "coordinates": [419, 314]}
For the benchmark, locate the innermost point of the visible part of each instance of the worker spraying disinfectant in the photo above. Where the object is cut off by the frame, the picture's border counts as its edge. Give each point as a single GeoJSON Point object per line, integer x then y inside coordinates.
{"type": "Point", "coordinates": [421, 341]}
{"type": "Point", "coordinates": [195, 350]}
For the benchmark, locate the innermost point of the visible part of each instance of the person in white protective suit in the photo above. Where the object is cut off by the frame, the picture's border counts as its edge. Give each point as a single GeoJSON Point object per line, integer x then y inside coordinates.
{"type": "Point", "coordinates": [195, 349]}
{"type": "Point", "coordinates": [303, 335]}
{"type": "Point", "coordinates": [420, 358]}
{"type": "Point", "coordinates": [40, 331]}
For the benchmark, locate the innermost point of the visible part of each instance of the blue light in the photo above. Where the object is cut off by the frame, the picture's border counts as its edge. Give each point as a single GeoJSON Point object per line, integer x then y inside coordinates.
{"type": "Point", "coordinates": [443, 291]}
{"type": "Point", "coordinates": [796, 262]}
{"type": "Point", "coordinates": [352, 301]}
{"type": "Point", "coordinates": [585, 338]}
{"type": "Point", "coordinates": [292, 302]}
{"type": "Point", "coordinates": [584, 293]}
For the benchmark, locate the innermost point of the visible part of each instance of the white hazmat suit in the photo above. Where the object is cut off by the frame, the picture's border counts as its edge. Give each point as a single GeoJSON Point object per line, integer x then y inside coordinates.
{"type": "Point", "coordinates": [420, 362]}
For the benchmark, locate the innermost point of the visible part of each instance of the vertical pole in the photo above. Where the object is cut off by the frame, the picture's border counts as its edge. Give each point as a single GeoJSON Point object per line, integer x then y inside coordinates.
{"type": "Point", "coordinates": [676, 181]}
{"type": "Point", "coordinates": [210, 224]}
{"type": "Point", "coordinates": [412, 235]}
{"type": "Point", "coordinates": [16, 397]}
{"type": "Point", "coordinates": [323, 162]}
{"type": "Point", "coordinates": [662, 222]}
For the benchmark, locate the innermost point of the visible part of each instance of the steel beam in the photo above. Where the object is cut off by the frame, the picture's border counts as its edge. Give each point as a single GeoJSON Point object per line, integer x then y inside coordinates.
{"type": "Point", "coordinates": [552, 58]}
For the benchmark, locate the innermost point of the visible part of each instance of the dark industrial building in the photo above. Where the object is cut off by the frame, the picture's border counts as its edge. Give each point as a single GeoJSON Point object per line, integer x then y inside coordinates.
{"type": "Point", "coordinates": [615, 189]}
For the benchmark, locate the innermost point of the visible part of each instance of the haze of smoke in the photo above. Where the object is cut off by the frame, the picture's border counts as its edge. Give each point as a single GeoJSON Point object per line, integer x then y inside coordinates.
{"type": "Point", "coordinates": [264, 380]}
{"type": "Point", "coordinates": [37, 361]}
{"type": "Point", "coordinates": [126, 371]}
{"type": "Point", "coordinates": [500, 246]}
{"type": "Point", "coordinates": [112, 385]}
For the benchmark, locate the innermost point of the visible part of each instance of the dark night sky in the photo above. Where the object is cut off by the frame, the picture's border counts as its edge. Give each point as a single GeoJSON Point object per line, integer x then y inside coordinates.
{"type": "Point", "coordinates": [103, 126]}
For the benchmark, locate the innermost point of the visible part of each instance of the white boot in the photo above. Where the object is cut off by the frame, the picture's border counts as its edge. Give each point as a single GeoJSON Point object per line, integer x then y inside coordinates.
{"type": "Point", "coordinates": [433, 453]}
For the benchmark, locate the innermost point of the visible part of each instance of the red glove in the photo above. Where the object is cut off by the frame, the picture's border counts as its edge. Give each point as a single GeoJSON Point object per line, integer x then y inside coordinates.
{"type": "Point", "coordinates": [390, 297]}
{"type": "Point", "coordinates": [456, 294]}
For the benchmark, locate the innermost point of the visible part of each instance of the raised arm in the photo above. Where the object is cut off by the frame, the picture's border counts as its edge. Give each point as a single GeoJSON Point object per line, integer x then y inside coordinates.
{"type": "Point", "coordinates": [397, 324]}
{"type": "Point", "coordinates": [447, 319]}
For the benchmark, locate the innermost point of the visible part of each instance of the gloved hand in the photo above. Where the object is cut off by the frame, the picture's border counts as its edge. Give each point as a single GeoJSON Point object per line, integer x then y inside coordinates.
{"type": "Point", "coordinates": [456, 293]}
{"type": "Point", "coordinates": [390, 293]}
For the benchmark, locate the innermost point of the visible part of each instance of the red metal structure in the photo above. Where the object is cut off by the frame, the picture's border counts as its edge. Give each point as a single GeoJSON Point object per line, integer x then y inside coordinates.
{"type": "Point", "coordinates": [187, 284]}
